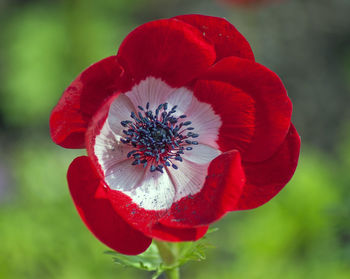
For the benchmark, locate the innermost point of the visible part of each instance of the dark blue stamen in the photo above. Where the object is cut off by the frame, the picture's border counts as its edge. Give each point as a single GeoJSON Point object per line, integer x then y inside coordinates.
{"type": "Point", "coordinates": [158, 138]}
{"type": "Point", "coordinates": [178, 158]}
{"type": "Point", "coordinates": [130, 153]}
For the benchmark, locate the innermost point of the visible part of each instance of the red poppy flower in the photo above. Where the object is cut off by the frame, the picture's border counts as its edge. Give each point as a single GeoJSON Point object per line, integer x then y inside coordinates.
{"type": "Point", "coordinates": [180, 127]}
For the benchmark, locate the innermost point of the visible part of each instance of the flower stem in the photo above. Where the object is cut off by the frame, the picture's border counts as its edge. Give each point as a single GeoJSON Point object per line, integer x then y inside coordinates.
{"type": "Point", "coordinates": [173, 273]}
{"type": "Point", "coordinates": [169, 252]}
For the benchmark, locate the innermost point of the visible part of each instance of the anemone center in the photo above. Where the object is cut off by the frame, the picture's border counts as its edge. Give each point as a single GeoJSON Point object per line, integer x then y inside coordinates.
{"type": "Point", "coordinates": [159, 134]}
{"type": "Point", "coordinates": [158, 137]}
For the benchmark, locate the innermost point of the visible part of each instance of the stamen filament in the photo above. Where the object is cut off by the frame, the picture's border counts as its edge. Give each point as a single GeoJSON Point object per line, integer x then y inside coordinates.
{"type": "Point", "coordinates": [157, 138]}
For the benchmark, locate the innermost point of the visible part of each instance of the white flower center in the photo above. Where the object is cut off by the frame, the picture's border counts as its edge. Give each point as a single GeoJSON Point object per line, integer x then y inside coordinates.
{"type": "Point", "coordinates": [121, 145]}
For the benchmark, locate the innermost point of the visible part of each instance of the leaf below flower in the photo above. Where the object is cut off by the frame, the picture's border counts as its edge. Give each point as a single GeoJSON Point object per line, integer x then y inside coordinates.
{"type": "Point", "coordinates": [151, 260]}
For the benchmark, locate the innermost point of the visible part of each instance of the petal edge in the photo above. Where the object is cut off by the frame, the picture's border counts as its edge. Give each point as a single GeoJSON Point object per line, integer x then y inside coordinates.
{"type": "Point", "coordinates": [266, 179]}
{"type": "Point", "coordinates": [98, 214]}
{"type": "Point", "coordinates": [227, 40]}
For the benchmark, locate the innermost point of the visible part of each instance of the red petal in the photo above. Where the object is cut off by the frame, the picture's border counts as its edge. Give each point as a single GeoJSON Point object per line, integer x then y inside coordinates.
{"type": "Point", "coordinates": [236, 110]}
{"type": "Point", "coordinates": [222, 34]}
{"type": "Point", "coordinates": [70, 117]}
{"type": "Point", "coordinates": [220, 193]}
{"type": "Point", "coordinates": [98, 214]}
{"type": "Point", "coordinates": [272, 105]}
{"type": "Point", "coordinates": [165, 233]}
{"type": "Point", "coordinates": [266, 179]}
{"type": "Point", "coordinates": [136, 216]}
{"type": "Point", "coordinates": [168, 49]}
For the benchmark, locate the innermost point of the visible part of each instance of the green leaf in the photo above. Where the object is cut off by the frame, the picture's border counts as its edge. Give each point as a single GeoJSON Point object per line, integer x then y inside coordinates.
{"type": "Point", "coordinates": [149, 260]}
{"type": "Point", "coordinates": [194, 251]}
{"type": "Point", "coordinates": [172, 255]}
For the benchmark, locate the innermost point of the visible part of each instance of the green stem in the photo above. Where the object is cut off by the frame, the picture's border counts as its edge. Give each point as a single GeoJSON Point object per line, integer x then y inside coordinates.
{"type": "Point", "coordinates": [173, 273]}
{"type": "Point", "coordinates": [169, 252]}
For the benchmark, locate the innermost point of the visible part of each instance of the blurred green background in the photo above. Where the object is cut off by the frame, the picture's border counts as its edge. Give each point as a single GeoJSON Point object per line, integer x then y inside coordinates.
{"type": "Point", "coordinates": [302, 233]}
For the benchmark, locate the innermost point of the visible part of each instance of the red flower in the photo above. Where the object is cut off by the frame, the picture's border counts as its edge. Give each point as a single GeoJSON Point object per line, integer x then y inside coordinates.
{"type": "Point", "coordinates": [180, 127]}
